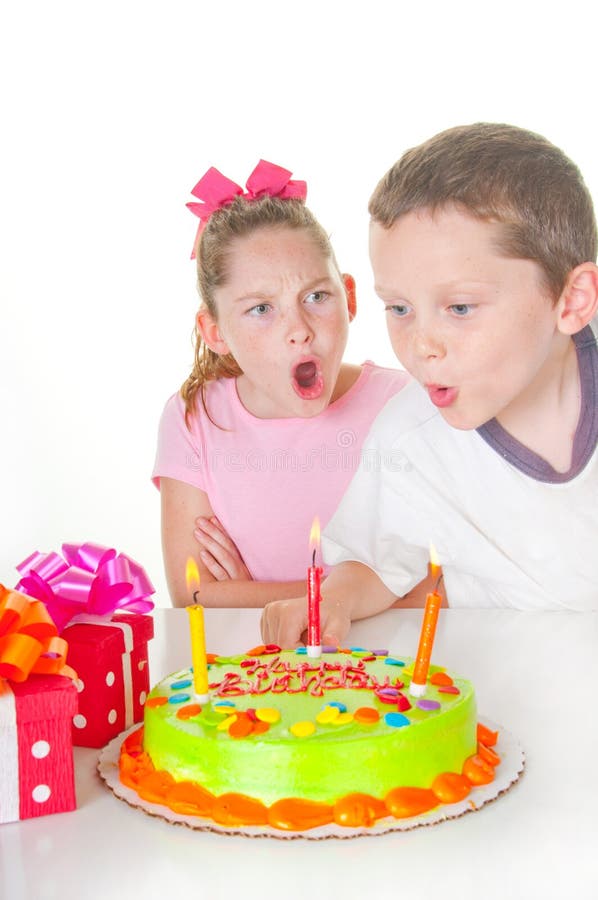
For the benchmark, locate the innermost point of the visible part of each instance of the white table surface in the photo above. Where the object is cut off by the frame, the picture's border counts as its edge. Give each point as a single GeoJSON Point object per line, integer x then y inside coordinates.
{"type": "Point", "coordinates": [535, 673]}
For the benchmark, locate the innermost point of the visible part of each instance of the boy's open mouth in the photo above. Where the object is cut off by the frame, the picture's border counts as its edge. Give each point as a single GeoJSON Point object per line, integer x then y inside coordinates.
{"type": "Point", "coordinates": [441, 395]}
{"type": "Point", "coordinates": [307, 379]}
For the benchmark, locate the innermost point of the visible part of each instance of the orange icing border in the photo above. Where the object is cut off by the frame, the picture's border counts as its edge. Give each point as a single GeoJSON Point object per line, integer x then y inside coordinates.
{"type": "Point", "coordinates": [294, 813]}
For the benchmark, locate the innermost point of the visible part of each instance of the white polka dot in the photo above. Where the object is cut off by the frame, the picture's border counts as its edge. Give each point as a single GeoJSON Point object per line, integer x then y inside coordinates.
{"type": "Point", "coordinates": [80, 685]}
{"type": "Point", "coordinates": [79, 721]}
{"type": "Point", "coordinates": [110, 677]}
{"type": "Point", "coordinates": [40, 749]}
{"type": "Point", "coordinates": [142, 664]}
{"type": "Point", "coordinates": [112, 716]}
{"type": "Point", "coordinates": [142, 698]}
{"type": "Point", "coordinates": [41, 793]}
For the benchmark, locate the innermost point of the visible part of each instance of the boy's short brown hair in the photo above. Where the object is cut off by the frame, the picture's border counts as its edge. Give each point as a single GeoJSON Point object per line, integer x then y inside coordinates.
{"type": "Point", "coordinates": [503, 174]}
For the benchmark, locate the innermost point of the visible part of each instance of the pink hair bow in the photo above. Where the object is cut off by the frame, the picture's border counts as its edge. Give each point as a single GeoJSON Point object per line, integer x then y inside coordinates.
{"type": "Point", "coordinates": [216, 191]}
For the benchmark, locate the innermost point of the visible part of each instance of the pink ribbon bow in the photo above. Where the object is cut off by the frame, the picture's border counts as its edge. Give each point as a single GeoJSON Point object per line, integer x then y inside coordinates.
{"type": "Point", "coordinates": [88, 579]}
{"type": "Point", "coordinates": [215, 190]}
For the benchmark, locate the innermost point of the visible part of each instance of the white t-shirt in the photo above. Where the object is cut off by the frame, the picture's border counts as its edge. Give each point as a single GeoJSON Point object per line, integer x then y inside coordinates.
{"type": "Point", "coordinates": [504, 538]}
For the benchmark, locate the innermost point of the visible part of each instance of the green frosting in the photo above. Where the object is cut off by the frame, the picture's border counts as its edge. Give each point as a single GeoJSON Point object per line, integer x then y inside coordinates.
{"type": "Point", "coordinates": [333, 761]}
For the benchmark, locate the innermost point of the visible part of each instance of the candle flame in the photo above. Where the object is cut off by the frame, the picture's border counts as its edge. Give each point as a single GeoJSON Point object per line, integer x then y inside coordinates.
{"type": "Point", "coordinates": [434, 561]}
{"type": "Point", "coordinates": [192, 575]}
{"type": "Point", "coordinates": [314, 536]}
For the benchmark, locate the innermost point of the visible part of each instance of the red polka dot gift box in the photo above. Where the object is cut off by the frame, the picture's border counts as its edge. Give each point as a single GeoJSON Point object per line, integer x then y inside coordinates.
{"type": "Point", "coordinates": [113, 676]}
{"type": "Point", "coordinates": [38, 700]}
{"type": "Point", "coordinates": [98, 599]}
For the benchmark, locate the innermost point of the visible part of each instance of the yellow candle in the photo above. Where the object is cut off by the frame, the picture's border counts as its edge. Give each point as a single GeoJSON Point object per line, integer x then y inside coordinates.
{"type": "Point", "coordinates": [198, 635]}
{"type": "Point", "coordinates": [198, 652]}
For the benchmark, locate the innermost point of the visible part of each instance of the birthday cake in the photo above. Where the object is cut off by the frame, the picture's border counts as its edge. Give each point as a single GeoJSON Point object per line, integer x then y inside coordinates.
{"type": "Point", "coordinates": [293, 743]}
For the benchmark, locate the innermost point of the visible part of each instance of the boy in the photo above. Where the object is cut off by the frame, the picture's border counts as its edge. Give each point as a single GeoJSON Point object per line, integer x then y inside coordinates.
{"type": "Point", "coordinates": [483, 246]}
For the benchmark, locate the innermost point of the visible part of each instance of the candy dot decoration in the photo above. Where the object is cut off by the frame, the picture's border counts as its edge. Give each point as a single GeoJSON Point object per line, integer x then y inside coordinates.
{"type": "Point", "coordinates": [302, 729]}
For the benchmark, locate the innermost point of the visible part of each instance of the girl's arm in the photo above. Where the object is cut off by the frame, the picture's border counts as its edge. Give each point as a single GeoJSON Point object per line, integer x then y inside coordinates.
{"type": "Point", "coordinates": [182, 504]}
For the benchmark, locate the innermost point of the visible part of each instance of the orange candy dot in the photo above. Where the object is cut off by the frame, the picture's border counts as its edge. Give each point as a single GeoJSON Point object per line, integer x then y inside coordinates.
{"type": "Point", "coordinates": [260, 727]}
{"type": "Point", "coordinates": [156, 701]}
{"type": "Point", "coordinates": [487, 737]}
{"type": "Point", "coordinates": [187, 712]}
{"type": "Point", "coordinates": [477, 770]}
{"type": "Point", "coordinates": [441, 678]}
{"type": "Point", "coordinates": [241, 727]}
{"type": "Point", "coordinates": [403, 802]}
{"type": "Point", "coordinates": [366, 715]}
{"type": "Point", "coordinates": [238, 809]}
{"type": "Point", "coordinates": [358, 810]}
{"type": "Point", "coordinates": [256, 651]}
{"type": "Point", "coordinates": [298, 815]}
{"type": "Point", "coordinates": [488, 755]}
{"type": "Point", "coordinates": [451, 787]}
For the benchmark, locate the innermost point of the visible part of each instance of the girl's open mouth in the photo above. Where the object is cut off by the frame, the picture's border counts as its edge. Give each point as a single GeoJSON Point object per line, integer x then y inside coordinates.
{"type": "Point", "coordinates": [307, 379]}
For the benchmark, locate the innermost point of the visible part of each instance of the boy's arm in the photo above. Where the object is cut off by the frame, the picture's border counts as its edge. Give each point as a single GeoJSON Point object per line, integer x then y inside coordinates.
{"type": "Point", "coordinates": [182, 504]}
{"type": "Point", "coordinates": [351, 591]}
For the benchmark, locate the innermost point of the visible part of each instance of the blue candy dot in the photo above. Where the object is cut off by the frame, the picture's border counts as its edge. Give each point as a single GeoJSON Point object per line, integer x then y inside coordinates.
{"type": "Point", "coordinates": [358, 649]}
{"type": "Point", "coordinates": [391, 661]}
{"type": "Point", "coordinates": [179, 698]}
{"type": "Point", "coordinates": [396, 720]}
{"type": "Point", "coordinates": [340, 706]}
{"type": "Point", "coordinates": [301, 650]}
{"type": "Point", "coordinates": [224, 703]}
{"type": "Point", "coordinates": [179, 685]}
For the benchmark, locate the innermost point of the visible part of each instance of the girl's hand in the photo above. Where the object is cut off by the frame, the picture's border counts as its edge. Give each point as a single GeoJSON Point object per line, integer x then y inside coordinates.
{"type": "Point", "coordinates": [219, 553]}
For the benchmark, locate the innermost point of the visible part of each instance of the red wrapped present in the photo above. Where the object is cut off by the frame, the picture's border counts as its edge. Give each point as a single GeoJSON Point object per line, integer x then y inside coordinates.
{"type": "Point", "coordinates": [113, 675]}
{"type": "Point", "coordinates": [36, 712]}
{"type": "Point", "coordinates": [85, 591]}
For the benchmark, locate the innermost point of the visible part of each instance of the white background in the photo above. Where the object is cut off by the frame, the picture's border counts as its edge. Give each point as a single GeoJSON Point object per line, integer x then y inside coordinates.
{"type": "Point", "coordinates": [109, 114]}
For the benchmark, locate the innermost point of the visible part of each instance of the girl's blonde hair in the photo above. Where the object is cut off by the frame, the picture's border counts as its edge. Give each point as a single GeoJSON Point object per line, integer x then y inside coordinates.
{"type": "Point", "coordinates": [237, 219]}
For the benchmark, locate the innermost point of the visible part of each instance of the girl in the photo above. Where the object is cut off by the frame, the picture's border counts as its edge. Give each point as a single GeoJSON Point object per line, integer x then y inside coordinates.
{"type": "Point", "coordinates": [266, 432]}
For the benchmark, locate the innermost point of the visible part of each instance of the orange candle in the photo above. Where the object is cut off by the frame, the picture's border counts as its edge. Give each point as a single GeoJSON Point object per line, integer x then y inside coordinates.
{"type": "Point", "coordinates": [428, 631]}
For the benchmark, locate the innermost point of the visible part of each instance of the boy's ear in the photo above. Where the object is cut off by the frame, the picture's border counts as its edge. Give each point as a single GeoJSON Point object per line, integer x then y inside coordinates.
{"type": "Point", "coordinates": [579, 299]}
{"type": "Point", "coordinates": [349, 283]}
{"type": "Point", "coordinates": [208, 328]}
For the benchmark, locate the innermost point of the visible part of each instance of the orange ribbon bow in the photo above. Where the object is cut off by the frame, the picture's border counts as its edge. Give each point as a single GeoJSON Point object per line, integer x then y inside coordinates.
{"type": "Point", "coordinates": [29, 641]}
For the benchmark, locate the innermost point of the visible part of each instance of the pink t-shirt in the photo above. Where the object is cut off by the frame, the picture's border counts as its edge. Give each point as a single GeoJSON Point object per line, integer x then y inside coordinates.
{"type": "Point", "coordinates": [266, 479]}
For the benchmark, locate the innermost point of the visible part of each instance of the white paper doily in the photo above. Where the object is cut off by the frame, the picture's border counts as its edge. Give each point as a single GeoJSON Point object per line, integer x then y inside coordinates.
{"type": "Point", "coordinates": [507, 773]}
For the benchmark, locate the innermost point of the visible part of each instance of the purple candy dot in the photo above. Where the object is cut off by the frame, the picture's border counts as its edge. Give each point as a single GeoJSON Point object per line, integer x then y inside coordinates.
{"type": "Point", "coordinates": [389, 692]}
{"type": "Point", "coordinates": [428, 705]}
{"type": "Point", "coordinates": [329, 649]}
{"type": "Point", "coordinates": [380, 652]}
